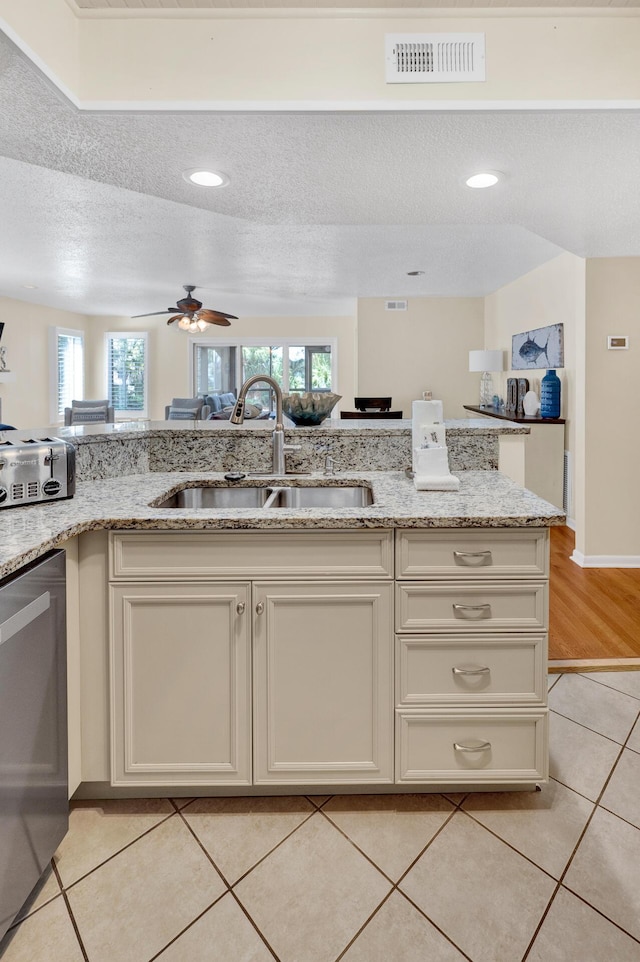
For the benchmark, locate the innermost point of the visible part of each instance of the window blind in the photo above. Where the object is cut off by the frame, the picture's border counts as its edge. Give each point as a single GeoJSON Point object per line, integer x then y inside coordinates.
{"type": "Point", "coordinates": [70, 370]}
{"type": "Point", "coordinates": [127, 373]}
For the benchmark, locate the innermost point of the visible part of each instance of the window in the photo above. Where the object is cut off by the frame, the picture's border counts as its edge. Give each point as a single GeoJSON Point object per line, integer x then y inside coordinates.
{"type": "Point", "coordinates": [67, 370]}
{"type": "Point", "coordinates": [297, 364]}
{"type": "Point", "coordinates": [127, 373]}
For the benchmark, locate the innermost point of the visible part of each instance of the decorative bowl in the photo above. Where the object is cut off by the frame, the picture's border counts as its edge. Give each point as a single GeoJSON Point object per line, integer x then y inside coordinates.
{"type": "Point", "coordinates": [309, 407]}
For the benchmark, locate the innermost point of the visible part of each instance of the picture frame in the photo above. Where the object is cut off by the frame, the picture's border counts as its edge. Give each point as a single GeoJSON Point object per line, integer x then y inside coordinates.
{"type": "Point", "coordinates": [541, 347]}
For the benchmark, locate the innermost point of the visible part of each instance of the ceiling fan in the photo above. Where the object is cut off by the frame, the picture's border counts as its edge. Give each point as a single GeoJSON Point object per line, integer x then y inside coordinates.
{"type": "Point", "coordinates": [192, 316]}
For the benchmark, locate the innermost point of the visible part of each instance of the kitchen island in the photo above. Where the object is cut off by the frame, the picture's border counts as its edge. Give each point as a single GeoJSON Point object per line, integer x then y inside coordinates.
{"type": "Point", "coordinates": [123, 467]}
{"type": "Point", "coordinates": [396, 646]}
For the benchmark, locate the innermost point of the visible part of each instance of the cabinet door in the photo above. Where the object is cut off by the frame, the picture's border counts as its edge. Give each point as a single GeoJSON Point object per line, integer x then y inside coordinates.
{"type": "Point", "coordinates": [180, 684]}
{"type": "Point", "coordinates": [323, 689]}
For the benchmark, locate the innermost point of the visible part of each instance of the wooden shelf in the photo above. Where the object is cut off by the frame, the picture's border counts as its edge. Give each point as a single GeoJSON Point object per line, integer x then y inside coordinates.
{"type": "Point", "coordinates": [524, 419]}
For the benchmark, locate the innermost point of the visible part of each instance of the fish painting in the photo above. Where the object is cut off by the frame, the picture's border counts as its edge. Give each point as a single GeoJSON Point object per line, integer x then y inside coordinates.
{"type": "Point", "coordinates": [540, 348]}
{"type": "Point", "coordinates": [530, 351]}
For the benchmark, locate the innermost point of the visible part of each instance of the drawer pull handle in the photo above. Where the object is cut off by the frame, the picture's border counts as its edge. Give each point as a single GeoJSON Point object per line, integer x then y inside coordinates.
{"type": "Point", "coordinates": [478, 746]}
{"type": "Point", "coordinates": [240, 607]}
{"type": "Point", "coordinates": [471, 671]}
{"type": "Point", "coordinates": [259, 608]}
{"type": "Point", "coordinates": [472, 611]}
{"type": "Point", "coordinates": [473, 559]}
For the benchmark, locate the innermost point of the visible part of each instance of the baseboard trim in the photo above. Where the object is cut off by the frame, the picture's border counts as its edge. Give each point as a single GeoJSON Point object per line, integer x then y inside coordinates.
{"type": "Point", "coordinates": [593, 664]}
{"type": "Point", "coordinates": [605, 560]}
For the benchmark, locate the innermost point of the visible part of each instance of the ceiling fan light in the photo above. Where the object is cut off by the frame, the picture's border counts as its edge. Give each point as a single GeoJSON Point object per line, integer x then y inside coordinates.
{"type": "Point", "coordinates": [184, 323]}
{"type": "Point", "coordinates": [202, 325]}
{"type": "Point", "coordinates": [205, 178]}
{"type": "Point", "coordinates": [193, 326]}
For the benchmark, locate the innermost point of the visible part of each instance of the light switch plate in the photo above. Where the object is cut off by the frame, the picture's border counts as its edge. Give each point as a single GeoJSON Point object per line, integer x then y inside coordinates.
{"type": "Point", "coordinates": [618, 342]}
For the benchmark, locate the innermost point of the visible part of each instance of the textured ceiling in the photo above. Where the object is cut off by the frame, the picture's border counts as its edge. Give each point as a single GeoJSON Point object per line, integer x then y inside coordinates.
{"type": "Point", "coordinates": [320, 207]}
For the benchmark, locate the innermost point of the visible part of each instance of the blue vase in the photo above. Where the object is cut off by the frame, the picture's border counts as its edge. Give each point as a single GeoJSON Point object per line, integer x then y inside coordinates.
{"type": "Point", "coordinates": [550, 395]}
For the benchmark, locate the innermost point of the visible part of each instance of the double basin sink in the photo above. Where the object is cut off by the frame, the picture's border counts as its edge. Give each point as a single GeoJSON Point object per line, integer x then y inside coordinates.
{"type": "Point", "coordinates": [270, 496]}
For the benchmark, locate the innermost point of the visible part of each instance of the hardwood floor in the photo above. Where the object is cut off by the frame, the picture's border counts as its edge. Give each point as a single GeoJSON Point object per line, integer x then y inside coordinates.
{"type": "Point", "coordinates": [594, 612]}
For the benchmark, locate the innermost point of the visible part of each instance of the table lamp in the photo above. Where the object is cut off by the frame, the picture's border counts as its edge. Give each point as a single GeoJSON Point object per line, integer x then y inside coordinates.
{"type": "Point", "coordinates": [486, 361]}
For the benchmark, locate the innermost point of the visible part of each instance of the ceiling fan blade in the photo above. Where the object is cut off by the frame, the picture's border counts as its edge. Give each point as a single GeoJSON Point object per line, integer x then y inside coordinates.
{"type": "Point", "coordinates": [176, 318]}
{"type": "Point", "coordinates": [170, 310]}
{"type": "Point", "coordinates": [210, 316]}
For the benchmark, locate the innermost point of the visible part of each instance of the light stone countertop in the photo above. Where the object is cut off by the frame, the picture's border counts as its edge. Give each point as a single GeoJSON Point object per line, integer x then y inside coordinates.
{"type": "Point", "coordinates": [88, 433]}
{"type": "Point", "coordinates": [485, 499]}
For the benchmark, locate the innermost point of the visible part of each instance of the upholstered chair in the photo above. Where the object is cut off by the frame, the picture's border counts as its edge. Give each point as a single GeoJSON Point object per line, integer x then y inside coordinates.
{"type": "Point", "coordinates": [89, 412]}
{"type": "Point", "coordinates": [187, 409]}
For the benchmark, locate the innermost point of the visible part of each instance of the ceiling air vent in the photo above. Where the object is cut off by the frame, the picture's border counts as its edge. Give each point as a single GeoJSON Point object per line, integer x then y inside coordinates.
{"type": "Point", "coordinates": [423, 58]}
{"type": "Point", "coordinates": [395, 305]}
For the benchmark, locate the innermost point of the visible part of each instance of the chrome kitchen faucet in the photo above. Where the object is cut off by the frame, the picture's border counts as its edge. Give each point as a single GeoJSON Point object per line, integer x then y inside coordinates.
{"type": "Point", "coordinates": [279, 448]}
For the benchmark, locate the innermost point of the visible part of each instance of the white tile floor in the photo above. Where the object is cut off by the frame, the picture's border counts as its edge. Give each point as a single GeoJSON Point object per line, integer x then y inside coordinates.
{"type": "Point", "coordinates": [551, 876]}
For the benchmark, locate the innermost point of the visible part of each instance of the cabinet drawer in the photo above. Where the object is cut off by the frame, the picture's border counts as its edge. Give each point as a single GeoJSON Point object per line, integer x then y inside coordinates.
{"type": "Point", "coordinates": [475, 553]}
{"type": "Point", "coordinates": [471, 670]}
{"type": "Point", "coordinates": [206, 555]}
{"type": "Point", "coordinates": [480, 747]}
{"type": "Point", "coordinates": [489, 606]}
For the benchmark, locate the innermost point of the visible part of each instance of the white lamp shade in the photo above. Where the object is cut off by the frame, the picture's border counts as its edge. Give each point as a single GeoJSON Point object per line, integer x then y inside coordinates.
{"type": "Point", "coordinates": [486, 361]}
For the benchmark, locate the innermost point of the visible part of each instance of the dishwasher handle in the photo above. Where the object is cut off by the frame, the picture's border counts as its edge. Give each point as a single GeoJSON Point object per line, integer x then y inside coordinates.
{"type": "Point", "coordinates": [24, 617]}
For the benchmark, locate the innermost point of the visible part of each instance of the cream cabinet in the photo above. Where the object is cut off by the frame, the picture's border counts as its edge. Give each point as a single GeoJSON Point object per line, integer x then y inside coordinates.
{"type": "Point", "coordinates": [257, 660]}
{"type": "Point", "coordinates": [180, 684]}
{"type": "Point", "coordinates": [218, 683]}
{"type": "Point", "coordinates": [471, 656]}
{"type": "Point", "coordinates": [323, 683]}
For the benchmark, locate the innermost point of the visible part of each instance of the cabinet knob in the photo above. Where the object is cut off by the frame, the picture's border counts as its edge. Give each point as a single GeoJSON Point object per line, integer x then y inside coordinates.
{"type": "Point", "coordinates": [240, 607]}
{"type": "Point", "coordinates": [259, 607]}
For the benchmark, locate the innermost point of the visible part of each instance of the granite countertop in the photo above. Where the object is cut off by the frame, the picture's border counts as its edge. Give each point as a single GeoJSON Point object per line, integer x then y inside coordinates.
{"type": "Point", "coordinates": [89, 433]}
{"type": "Point", "coordinates": [485, 499]}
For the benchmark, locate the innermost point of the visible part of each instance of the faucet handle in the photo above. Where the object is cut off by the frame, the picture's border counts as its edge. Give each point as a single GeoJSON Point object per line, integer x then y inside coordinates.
{"type": "Point", "coordinates": [330, 465]}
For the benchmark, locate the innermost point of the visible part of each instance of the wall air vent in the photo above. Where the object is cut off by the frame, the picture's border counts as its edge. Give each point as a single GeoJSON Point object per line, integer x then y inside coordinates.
{"type": "Point", "coordinates": [423, 58]}
{"type": "Point", "coordinates": [395, 305]}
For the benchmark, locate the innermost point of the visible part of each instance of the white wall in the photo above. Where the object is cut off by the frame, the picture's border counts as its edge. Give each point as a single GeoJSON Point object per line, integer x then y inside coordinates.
{"type": "Point", "coordinates": [550, 294]}
{"type": "Point", "coordinates": [25, 402]}
{"type": "Point", "coordinates": [147, 56]}
{"type": "Point", "coordinates": [612, 432]}
{"type": "Point", "coordinates": [425, 348]}
{"type": "Point", "coordinates": [49, 32]}
{"type": "Point", "coordinates": [169, 350]}
{"type": "Point", "coordinates": [285, 59]}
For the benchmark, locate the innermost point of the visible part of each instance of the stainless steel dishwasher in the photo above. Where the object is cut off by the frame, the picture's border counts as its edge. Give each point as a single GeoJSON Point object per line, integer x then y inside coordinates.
{"type": "Point", "coordinates": [34, 808]}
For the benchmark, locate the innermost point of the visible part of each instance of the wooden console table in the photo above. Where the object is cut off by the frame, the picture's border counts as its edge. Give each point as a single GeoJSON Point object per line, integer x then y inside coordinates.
{"type": "Point", "coordinates": [538, 464]}
{"type": "Point", "coordinates": [517, 419]}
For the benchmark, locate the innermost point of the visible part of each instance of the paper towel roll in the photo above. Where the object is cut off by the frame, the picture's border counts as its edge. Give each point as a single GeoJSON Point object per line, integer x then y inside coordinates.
{"type": "Point", "coordinates": [426, 412]}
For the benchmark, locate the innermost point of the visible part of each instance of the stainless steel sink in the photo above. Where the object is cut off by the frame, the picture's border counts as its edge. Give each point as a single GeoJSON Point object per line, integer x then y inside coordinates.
{"type": "Point", "coordinates": [210, 497]}
{"type": "Point", "coordinates": [321, 496]}
{"type": "Point", "coordinates": [270, 496]}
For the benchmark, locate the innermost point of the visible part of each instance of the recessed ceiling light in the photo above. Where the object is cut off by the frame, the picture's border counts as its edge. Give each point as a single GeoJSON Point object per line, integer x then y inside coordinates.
{"type": "Point", "coordinates": [205, 178]}
{"type": "Point", "coordinates": [486, 178]}
{"type": "Point", "coordinates": [30, 287]}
